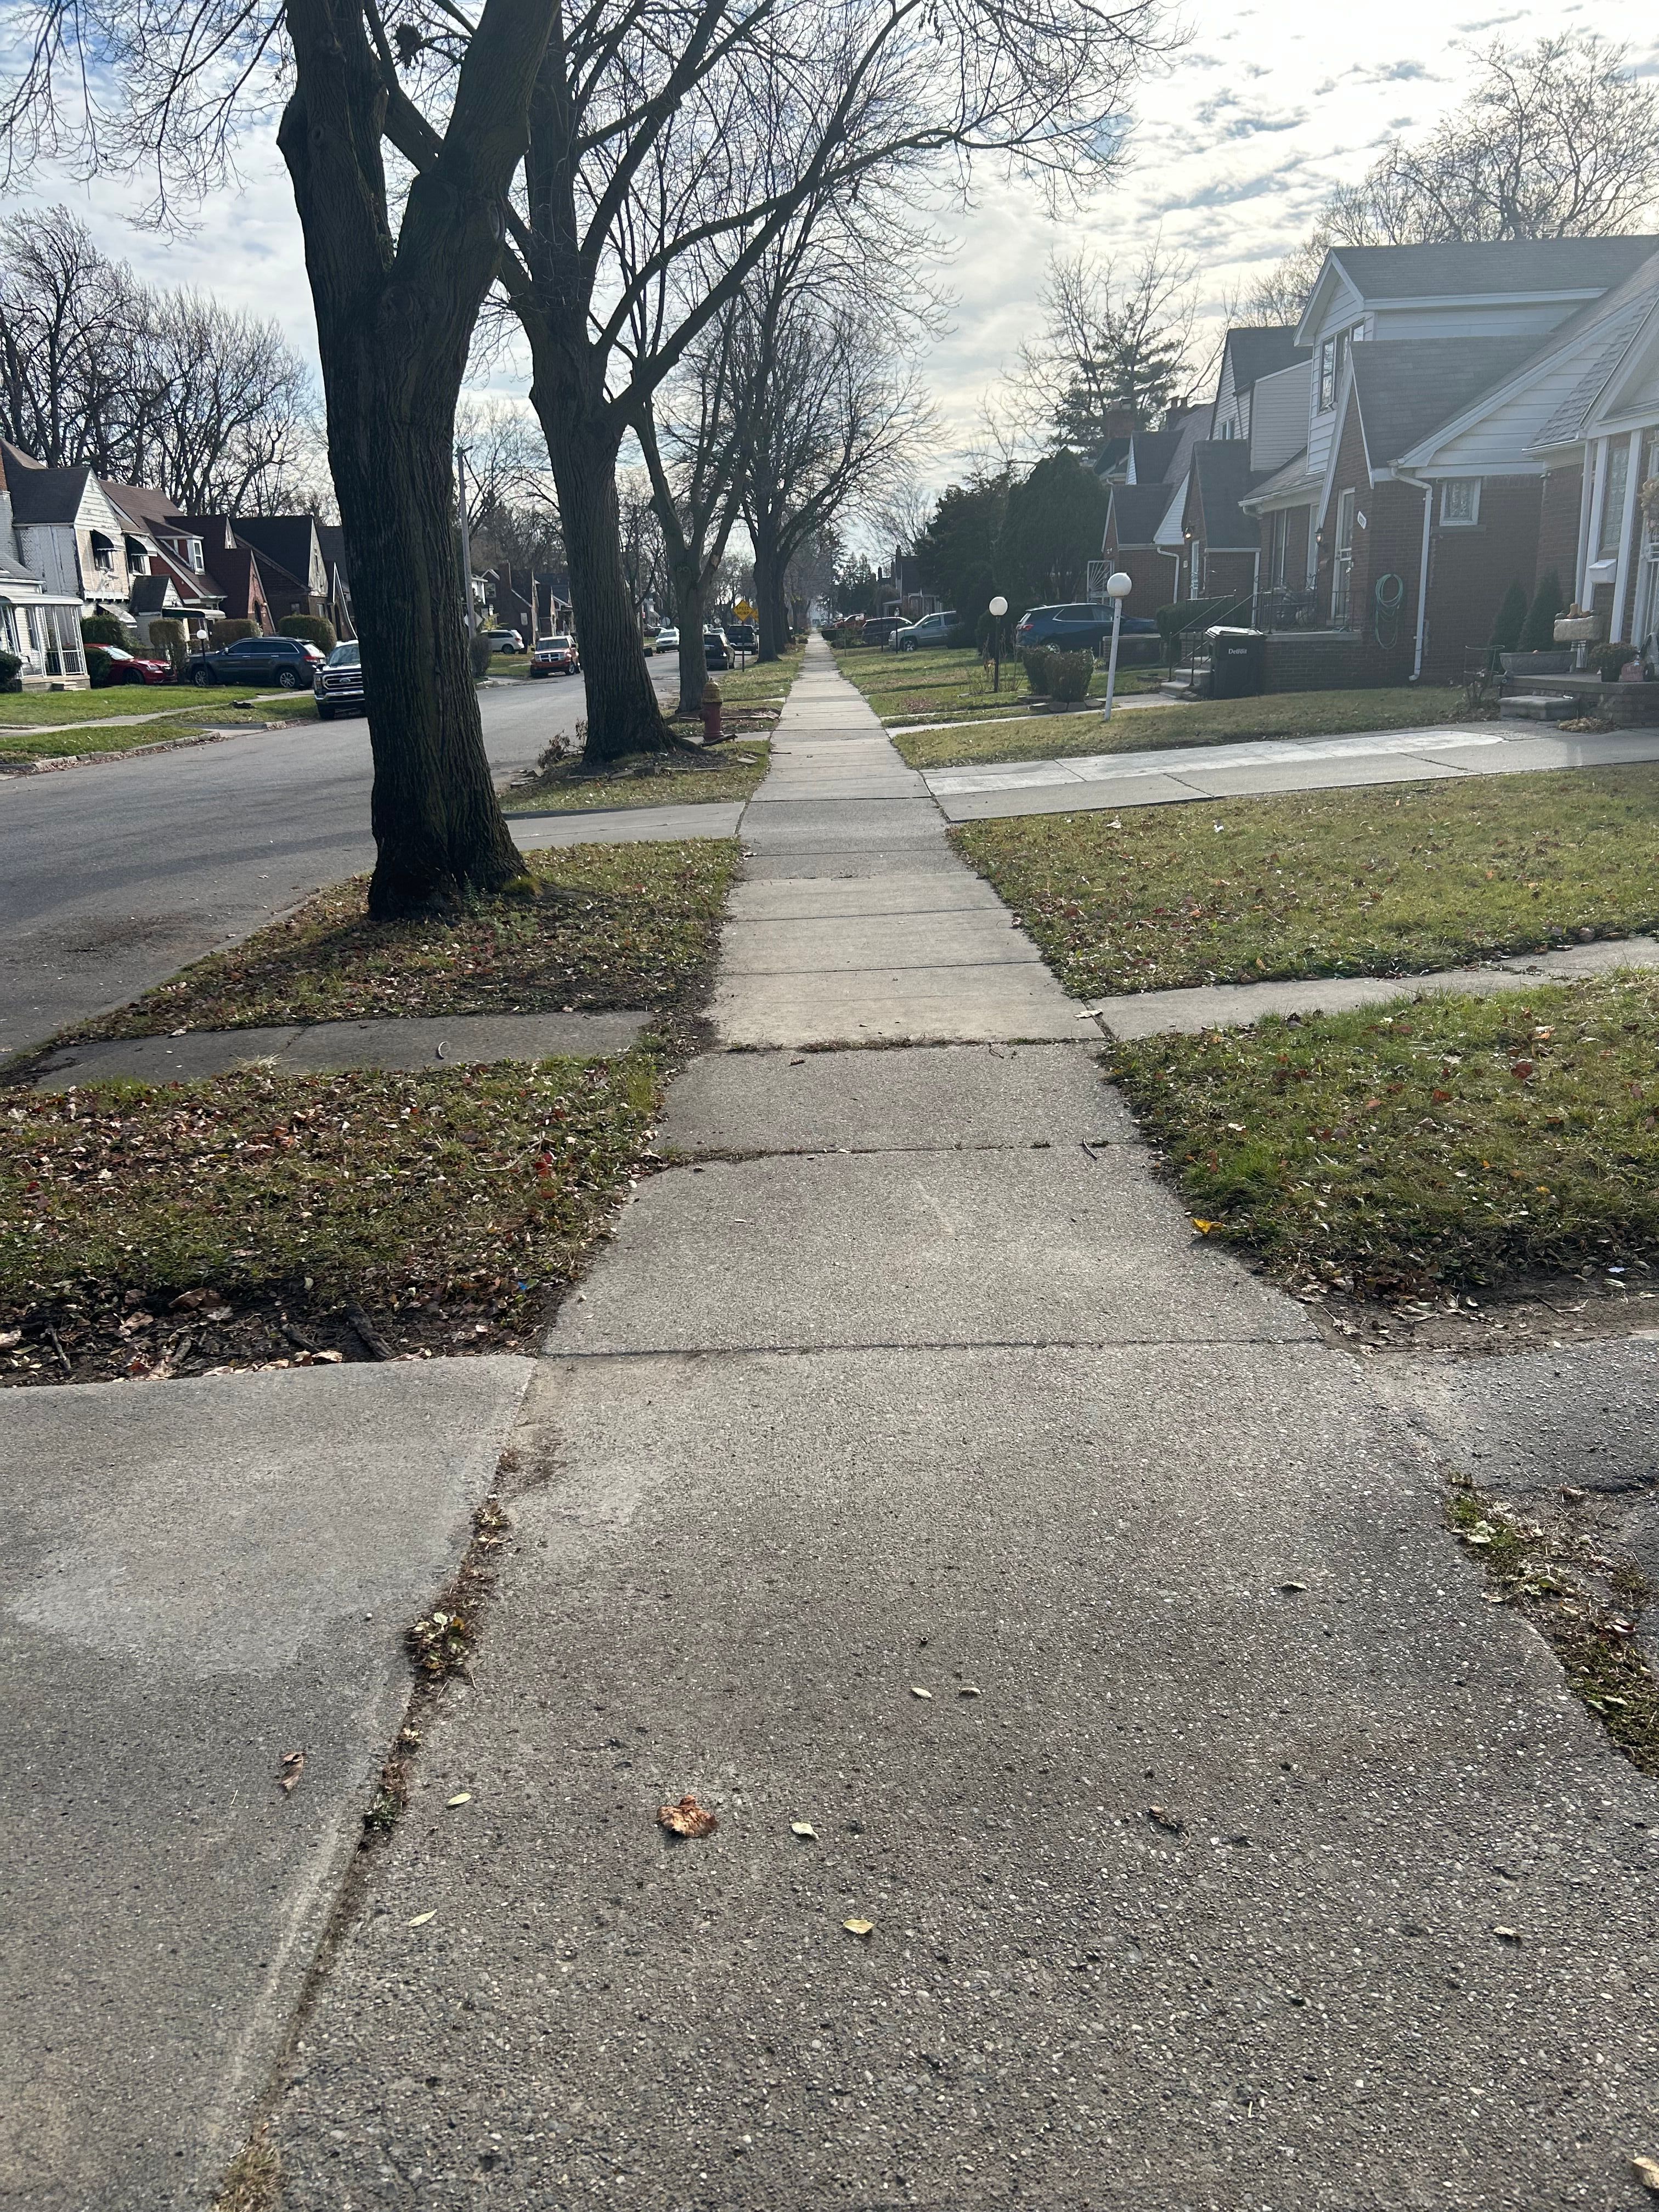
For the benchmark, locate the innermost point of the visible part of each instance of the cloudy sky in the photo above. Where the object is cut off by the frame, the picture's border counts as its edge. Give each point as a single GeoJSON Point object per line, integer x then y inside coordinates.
{"type": "Point", "coordinates": [1237, 138]}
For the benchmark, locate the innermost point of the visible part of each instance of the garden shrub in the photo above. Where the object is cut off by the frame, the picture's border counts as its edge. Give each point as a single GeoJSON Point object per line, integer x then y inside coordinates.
{"type": "Point", "coordinates": [1037, 662]}
{"type": "Point", "coordinates": [228, 628]}
{"type": "Point", "coordinates": [311, 626]}
{"type": "Point", "coordinates": [479, 649]}
{"type": "Point", "coordinates": [168, 640]}
{"type": "Point", "coordinates": [1510, 620]}
{"type": "Point", "coordinates": [101, 630]}
{"type": "Point", "coordinates": [101, 669]}
{"type": "Point", "coordinates": [1538, 634]}
{"type": "Point", "coordinates": [11, 668]}
{"type": "Point", "coordinates": [1069, 674]}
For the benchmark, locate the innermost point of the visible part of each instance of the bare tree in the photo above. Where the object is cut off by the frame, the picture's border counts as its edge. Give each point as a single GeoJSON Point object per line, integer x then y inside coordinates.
{"type": "Point", "coordinates": [1556, 140]}
{"type": "Point", "coordinates": [1116, 350]}
{"type": "Point", "coordinates": [398, 271]}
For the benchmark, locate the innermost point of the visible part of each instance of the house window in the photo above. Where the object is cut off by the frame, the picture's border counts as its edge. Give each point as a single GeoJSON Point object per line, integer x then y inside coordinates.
{"type": "Point", "coordinates": [1327, 375]}
{"type": "Point", "coordinates": [1612, 500]}
{"type": "Point", "coordinates": [1278, 535]}
{"type": "Point", "coordinates": [64, 653]}
{"type": "Point", "coordinates": [1342, 576]}
{"type": "Point", "coordinates": [1460, 502]}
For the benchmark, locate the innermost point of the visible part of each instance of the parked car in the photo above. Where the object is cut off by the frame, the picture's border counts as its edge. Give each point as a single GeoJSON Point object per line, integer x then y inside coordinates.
{"type": "Point", "coordinates": [127, 667]}
{"type": "Point", "coordinates": [931, 630]}
{"type": "Point", "coordinates": [740, 636]}
{"type": "Point", "coordinates": [286, 662]}
{"type": "Point", "coordinates": [1080, 628]}
{"type": "Point", "coordinates": [555, 656]}
{"type": "Point", "coordinates": [716, 652]}
{"type": "Point", "coordinates": [337, 686]}
{"type": "Point", "coordinates": [877, 629]}
{"type": "Point", "coordinates": [668, 639]}
{"type": "Point", "coordinates": [504, 641]}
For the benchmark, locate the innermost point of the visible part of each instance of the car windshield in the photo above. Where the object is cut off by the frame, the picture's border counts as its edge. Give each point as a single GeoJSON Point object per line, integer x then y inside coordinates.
{"type": "Point", "coordinates": [554, 645]}
{"type": "Point", "coordinates": [343, 656]}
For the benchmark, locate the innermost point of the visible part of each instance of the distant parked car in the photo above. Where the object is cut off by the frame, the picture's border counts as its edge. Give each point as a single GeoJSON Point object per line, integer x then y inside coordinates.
{"type": "Point", "coordinates": [504, 641]}
{"type": "Point", "coordinates": [286, 662]}
{"type": "Point", "coordinates": [716, 652]}
{"type": "Point", "coordinates": [931, 630]}
{"type": "Point", "coordinates": [1079, 628]}
{"type": "Point", "coordinates": [877, 629]}
{"type": "Point", "coordinates": [740, 636]}
{"type": "Point", "coordinates": [337, 686]}
{"type": "Point", "coordinates": [555, 656]}
{"type": "Point", "coordinates": [127, 667]}
{"type": "Point", "coordinates": [668, 639]}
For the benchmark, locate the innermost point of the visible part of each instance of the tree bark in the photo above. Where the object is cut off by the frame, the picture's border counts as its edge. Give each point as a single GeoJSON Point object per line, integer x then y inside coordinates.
{"type": "Point", "coordinates": [393, 326]}
{"type": "Point", "coordinates": [689, 602]}
{"type": "Point", "coordinates": [582, 443]}
{"type": "Point", "coordinates": [768, 589]}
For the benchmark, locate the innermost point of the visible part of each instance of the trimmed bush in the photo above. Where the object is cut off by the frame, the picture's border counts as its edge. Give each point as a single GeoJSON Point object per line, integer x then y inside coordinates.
{"type": "Point", "coordinates": [1510, 620]}
{"type": "Point", "coordinates": [168, 636]}
{"type": "Point", "coordinates": [311, 626]}
{"type": "Point", "coordinates": [228, 628]}
{"type": "Point", "coordinates": [1069, 674]}
{"type": "Point", "coordinates": [1610, 659]}
{"type": "Point", "coordinates": [1538, 633]}
{"type": "Point", "coordinates": [11, 672]}
{"type": "Point", "coordinates": [479, 649]}
{"type": "Point", "coordinates": [102, 629]}
{"type": "Point", "coordinates": [101, 669]}
{"type": "Point", "coordinates": [1038, 661]}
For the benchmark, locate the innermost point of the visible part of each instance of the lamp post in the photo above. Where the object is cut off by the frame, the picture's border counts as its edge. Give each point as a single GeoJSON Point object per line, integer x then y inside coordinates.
{"type": "Point", "coordinates": [1118, 588]}
{"type": "Point", "coordinates": [999, 608]}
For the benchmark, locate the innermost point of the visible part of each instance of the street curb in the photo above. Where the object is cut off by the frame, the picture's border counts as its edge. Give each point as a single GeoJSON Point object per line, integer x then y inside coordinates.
{"type": "Point", "coordinates": [49, 764]}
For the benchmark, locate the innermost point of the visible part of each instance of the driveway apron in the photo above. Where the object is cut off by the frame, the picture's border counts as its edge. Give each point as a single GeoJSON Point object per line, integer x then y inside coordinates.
{"type": "Point", "coordinates": [1126, 1798]}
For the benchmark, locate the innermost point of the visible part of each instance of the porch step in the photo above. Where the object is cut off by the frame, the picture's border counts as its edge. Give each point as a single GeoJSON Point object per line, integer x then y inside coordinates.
{"type": "Point", "coordinates": [1538, 707]}
{"type": "Point", "coordinates": [1190, 683]}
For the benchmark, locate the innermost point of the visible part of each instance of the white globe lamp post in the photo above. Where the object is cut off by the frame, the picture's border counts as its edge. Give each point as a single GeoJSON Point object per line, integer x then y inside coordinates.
{"type": "Point", "coordinates": [1118, 588]}
{"type": "Point", "coordinates": [999, 607]}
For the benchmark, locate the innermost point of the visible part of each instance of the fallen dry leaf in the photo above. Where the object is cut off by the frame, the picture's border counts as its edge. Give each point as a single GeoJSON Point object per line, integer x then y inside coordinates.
{"type": "Point", "coordinates": [1202, 1227]}
{"type": "Point", "coordinates": [421, 1918]}
{"type": "Point", "coordinates": [916, 1691]}
{"type": "Point", "coordinates": [1171, 1823]}
{"type": "Point", "coordinates": [1507, 1935]}
{"type": "Point", "coordinates": [294, 1765]}
{"type": "Point", "coordinates": [687, 1818]}
{"type": "Point", "coordinates": [804, 1829]}
{"type": "Point", "coordinates": [1646, 2170]}
{"type": "Point", "coordinates": [969, 1689]}
{"type": "Point", "coordinates": [1289, 1590]}
{"type": "Point", "coordinates": [9, 1337]}
{"type": "Point", "coordinates": [862, 1928]}
{"type": "Point", "coordinates": [461, 1797]}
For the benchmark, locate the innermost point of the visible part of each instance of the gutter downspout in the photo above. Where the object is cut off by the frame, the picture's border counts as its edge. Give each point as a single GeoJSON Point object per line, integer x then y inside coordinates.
{"type": "Point", "coordinates": [1423, 581]}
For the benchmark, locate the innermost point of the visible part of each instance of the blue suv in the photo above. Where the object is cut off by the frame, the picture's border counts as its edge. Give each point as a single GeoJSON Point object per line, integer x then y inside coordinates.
{"type": "Point", "coordinates": [1079, 628]}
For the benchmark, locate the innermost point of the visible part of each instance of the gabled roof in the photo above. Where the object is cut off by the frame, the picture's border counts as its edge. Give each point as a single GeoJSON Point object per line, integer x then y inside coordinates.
{"type": "Point", "coordinates": [1256, 352]}
{"type": "Point", "coordinates": [287, 540]}
{"type": "Point", "coordinates": [1221, 476]}
{"type": "Point", "coordinates": [1136, 510]}
{"type": "Point", "coordinates": [1296, 481]}
{"type": "Point", "coordinates": [1153, 452]}
{"type": "Point", "coordinates": [1407, 387]}
{"type": "Point", "coordinates": [1109, 458]}
{"type": "Point", "coordinates": [1614, 335]}
{"type": "Point", "coordinates": [41, 494]}
{"type": "Point", "coordinates": [1496, 266]}
{"type": "Point", "coordinates": [332, 537]}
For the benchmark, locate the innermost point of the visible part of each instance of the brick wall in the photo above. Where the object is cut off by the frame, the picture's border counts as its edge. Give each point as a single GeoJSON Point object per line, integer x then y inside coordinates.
{"type": "Point", "coordinates": [1558, 528]}
{"type": "Point", "coordinates": [1298, 660]}
{"type": "Point", "coordinates": [1227, 575]}
{"type": "Point", "coordinates": [1152, 574]}
{"type": "Point", "coordinates": [1470, 568]}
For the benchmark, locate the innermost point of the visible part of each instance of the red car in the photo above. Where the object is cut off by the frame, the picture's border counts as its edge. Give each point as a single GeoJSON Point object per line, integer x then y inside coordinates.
{"type": "Point", "coordinates": [127, 667]}
{"type": "Point", "coordinates": [555, 656]}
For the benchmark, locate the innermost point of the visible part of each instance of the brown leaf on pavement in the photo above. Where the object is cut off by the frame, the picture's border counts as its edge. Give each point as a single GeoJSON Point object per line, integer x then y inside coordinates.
{"type": "Point", "coordinates": [1646, 2170]}
{"type": "Point", "coordinates": [687, 1818]}
{"type": "Point", "coordinates": [294, 1765]}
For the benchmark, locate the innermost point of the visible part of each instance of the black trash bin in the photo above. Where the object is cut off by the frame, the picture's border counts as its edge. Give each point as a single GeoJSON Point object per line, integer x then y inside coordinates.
{"type": "Point", "coordinates": [1238, 663]}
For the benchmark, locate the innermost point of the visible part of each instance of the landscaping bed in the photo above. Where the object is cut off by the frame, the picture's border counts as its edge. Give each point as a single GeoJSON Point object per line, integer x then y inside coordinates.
{"type": "Point", "coordinates": [1199, 722]}
{"type": "Point", "coordinates": [1393, 880]}
{"type": "Point", "coordinates": [610, 925]}
{"type": "Point", "coordinates": [946, 683]}
{"type": "Point", "coordinates": [562, 785]}
{"type": "Point", "coordinates": [1483, 1147]}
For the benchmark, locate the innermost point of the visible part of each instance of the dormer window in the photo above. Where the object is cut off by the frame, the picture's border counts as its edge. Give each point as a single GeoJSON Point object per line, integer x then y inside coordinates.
{"type": "Point", "coordinates": [103, 553]}
{"type": "Point", "coordinates": [193, 553]}
{"type": "Point", "coordinates": [1328, 365]}
{"type": "Point", "coordinates": [138, 557]}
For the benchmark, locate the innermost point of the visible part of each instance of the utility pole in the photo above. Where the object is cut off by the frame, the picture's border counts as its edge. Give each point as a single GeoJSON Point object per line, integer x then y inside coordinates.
{"type": "Point", "coordinates": [466, 547]}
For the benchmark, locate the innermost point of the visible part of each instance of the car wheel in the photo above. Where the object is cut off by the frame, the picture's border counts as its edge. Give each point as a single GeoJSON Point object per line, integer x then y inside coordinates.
{"type": "Point", "coordinates": [201, 676]}
{"type": "Point", "coordinates": [286, 680]}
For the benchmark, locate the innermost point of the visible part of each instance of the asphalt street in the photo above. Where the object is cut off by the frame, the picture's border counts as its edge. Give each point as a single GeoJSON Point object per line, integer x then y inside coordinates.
{"type": "Point", "coordinates": [115, 873]}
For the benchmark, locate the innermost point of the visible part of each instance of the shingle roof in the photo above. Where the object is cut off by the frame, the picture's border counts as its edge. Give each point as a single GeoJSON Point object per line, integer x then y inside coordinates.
{"type": "Point", "coordinates": [286, 540]}
{"type": "Point", "coordinates": [1137, 510]}
{"type": "Point", "coordinates": [1408, 386]}
{"type": "Point", "coordinates": [45, 494]}
{"type": "Point", "coordinates": [1528, 264]}
{"type": "Point", "coordinates": [1256, 353]}
{"type": "Point", "coordinates": [1222, 468]}
{"type": "Point", "coordinates": [1612, 339]}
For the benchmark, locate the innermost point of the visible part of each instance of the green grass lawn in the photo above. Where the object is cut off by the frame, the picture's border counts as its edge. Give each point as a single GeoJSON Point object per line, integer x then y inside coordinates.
{"type": "Point", "coordinates": [946, 683]}
{"type": "Point", "coordinates": [1201, 722]}
{"type": "Point", "coordinates": [1391, 881]}
{"type": "Point", "coordinates": [763, 682]}
{"type": "Point", "coordinates": [75, 736]}
{"type": "Point", "coordinates": [730, 771]}
{"type": "Point", "coordinates": [1458, 1141]}
{"type": "Point", "coordinates": [20, 710]}
{"type": "Point", "coordinates": [612, 926]}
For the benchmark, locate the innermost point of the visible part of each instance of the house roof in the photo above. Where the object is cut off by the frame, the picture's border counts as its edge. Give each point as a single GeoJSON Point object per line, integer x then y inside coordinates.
{"type": "Point", "coordinates": [1617, 329]}
{"type": "Point", "coordinates": [1136, 510]}
{"type": "Point", "coordinates": [1221, 475]}
{"type": "Point", "coordinates": [1407, 387]}
{"type": "Point", "coordinates": [1256, 352]}
{"type": "Point", "coordinates": [1111, 457]}
{"type": "Point", "coordinates": [41, 494]}
{"type": "Point", "coordinates": [150, 593]}
{"type": "Point", "coordinates": [1526, 265]}
{"type": "Point", "coordinates": [332, 537]}
{"type": "Point", "coordinates": [1296, 481]}
{"type": "Point", "coordinates": [285, 539]}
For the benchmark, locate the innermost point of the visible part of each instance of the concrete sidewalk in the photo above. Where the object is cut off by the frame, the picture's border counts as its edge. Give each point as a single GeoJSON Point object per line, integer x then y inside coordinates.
{"type": "Point", "coordinates": [920, 1478]}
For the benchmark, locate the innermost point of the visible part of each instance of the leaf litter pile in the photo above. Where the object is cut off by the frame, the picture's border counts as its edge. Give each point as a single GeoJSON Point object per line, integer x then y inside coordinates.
{"type": "Point", "coordinates": [264, 1219]}
{"type": "Point", "coordinates": [610, 925]}
{"type": "Point", "coordinates": [1451, 1141]}
{"type": "Point", "coordinates": [1388, 882]}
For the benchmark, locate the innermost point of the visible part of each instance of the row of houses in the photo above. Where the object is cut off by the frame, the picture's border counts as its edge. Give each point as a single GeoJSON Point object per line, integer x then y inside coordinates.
{"type": "Point", "coordinates": [74, 544]}
{"type": "Point", "coordinates": [1444, 420]}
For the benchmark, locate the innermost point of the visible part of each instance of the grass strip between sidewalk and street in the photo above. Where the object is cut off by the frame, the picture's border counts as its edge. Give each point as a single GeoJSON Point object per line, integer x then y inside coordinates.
{"type": "Point", "coordinates": [1202, 722]}
{"type": "Point", "coordinates": [1463, 1142]}
{"type": "Point", "coordinates": [75, 739]}
{"type": "Point", "coordinates": [1394, 880]}
{"type": "Point", "coordinates": [564, 787]}
{"type": "Point", "coordinates": [610, 925]}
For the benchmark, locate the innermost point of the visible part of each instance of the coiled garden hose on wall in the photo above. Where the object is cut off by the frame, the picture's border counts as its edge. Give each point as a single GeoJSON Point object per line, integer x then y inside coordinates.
{"type": "Point", "coordinates": [1390, 596]}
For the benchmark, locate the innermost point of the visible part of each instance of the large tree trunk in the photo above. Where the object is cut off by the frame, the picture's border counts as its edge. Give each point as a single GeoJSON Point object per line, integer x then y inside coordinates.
{"type": "Point", "coordinates": [768, 590]}
{"type": "Point", "coordinates": [393, 326]}
{"type": "Point", "coordinates": [623, 714]}
{"type": "Point", "coordinates": [694, 656]}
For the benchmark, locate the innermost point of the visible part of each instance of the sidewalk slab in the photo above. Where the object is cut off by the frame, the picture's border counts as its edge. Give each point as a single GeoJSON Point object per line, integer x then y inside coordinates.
{"type": "Point", "coordinates": [200, 1576]}
{"type": "Point", "coordinates": [966, 938]}
{"type": "Point", "coordinates": [626, 825]}
{"type": "Point", "coordinates": [1240, 1005]}
{"type": "Point", "coordinates": [999, 1002]}
{"type": "Point", "coordinates": [457, 1040]}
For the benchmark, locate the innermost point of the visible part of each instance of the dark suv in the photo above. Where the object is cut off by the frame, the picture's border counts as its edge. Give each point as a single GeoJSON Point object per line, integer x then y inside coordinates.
{"type": "Point", "coordinates": [286, 662]}
{"type": "Point", "coordinates": [716, 652]}
{"type": "Point", "coordinates": [1081, 628]}
{"type": "Point", "coordinates": [338, 685]}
